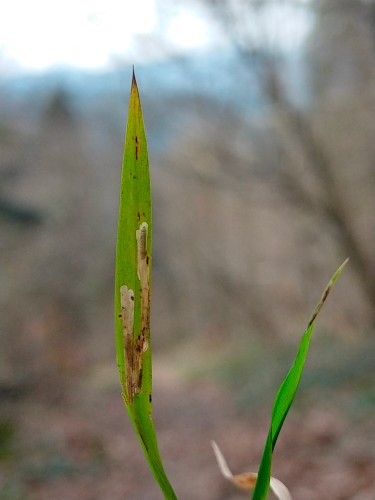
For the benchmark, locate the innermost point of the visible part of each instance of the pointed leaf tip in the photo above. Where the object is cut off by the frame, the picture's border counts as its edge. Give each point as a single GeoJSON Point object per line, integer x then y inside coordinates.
{"type": "Point", "coordinates": [339, 271]}
{"type": "Point", "coordinates": [326, 292]}
{"type": "Point", "coordinates": [134, 81]}
{"type": "Point", "coordinates": [221, 462]}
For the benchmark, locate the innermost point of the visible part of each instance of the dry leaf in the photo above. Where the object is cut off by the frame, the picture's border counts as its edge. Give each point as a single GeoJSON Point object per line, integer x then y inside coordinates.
{"type": "Point", "coordinates": [247, 480]}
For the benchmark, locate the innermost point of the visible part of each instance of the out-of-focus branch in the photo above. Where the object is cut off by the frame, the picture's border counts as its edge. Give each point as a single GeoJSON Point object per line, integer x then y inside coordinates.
{"type": "Point", "coordinates": [294, 123]}
{"type": "Point", "coordinates": [333, 207]}
{"type": "Point", "coordinates": [18, 214]}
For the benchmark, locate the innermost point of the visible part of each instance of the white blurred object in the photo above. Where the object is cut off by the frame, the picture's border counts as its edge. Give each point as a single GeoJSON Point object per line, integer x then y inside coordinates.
{"type": "Point", "coordinates": [247, 480]}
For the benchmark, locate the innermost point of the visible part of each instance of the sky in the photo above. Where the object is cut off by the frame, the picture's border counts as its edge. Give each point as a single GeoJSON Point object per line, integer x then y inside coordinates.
{"type": "Point", "coordinates": [95, 34]}
{"type": "Point", "coordinates": [92, 33]}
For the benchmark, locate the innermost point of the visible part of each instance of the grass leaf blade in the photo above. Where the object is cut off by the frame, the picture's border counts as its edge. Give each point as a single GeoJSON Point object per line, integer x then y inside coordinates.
{"type": "Point", "coordinates": [132, 288]}
{"type": "Point", "coordinates": [285, 396]}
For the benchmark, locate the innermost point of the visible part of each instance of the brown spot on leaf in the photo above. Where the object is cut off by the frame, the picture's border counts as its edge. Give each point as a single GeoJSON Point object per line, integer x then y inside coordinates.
{"type": "Point", "coordinates": [136, 347]}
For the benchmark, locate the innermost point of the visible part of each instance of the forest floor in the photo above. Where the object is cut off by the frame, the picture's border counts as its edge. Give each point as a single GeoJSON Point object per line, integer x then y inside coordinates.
{"type": "Point", "coordinates": [78, 444]}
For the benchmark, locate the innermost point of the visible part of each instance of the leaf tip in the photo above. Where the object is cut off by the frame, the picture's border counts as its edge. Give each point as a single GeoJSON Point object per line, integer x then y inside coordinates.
{"type": "Point", "coordinates": [338, 272]}
{"type": "Point", "coordinates": [222, 463]}
{"type": "Point", "coordinates": [134, 81]}
{"type": "Point", "coordinates": [279, 489]}
{"type": "Point", "coordinates": [326, 292]}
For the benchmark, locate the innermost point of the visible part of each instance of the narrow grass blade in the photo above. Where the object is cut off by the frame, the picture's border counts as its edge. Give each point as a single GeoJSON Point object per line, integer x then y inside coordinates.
{"type": "Point", "coordinates": [285, 396]}
{"type": "Point", "coordinates": [132, 288]}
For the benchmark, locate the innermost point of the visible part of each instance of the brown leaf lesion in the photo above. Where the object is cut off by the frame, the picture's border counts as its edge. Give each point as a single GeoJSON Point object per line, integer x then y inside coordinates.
{"type": "Point", "coordinates": [143, 272]}
{"type": "Point", "coordinates": [127, 319]}
{"type": "Point", "coordinates": [136, 347]}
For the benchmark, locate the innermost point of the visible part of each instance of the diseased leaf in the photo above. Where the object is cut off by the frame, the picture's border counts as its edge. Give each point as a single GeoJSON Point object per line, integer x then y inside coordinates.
{"type": "Point", "coordinates": [132, 288]}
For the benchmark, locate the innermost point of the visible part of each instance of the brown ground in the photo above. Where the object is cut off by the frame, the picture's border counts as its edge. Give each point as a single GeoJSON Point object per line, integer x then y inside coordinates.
{"type": "Point", "coordinates": [78, 444]}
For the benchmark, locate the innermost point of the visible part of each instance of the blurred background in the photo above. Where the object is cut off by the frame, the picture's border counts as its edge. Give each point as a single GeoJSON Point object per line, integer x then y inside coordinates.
{"type": "Point", "coordinates": [261, 126]}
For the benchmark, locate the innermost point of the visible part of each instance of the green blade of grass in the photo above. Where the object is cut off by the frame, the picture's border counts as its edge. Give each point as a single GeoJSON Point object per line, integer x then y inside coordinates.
{"type": "Point", "coordinates": [285, 396]}
{"type": "Point", "coordinates": [132, 288]}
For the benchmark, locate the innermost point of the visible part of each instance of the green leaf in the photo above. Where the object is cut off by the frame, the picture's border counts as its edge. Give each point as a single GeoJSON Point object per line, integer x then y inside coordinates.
{"type": "Point", "coordinates": [132, 288]}
{"type": "Point", "coordinates": [285, 396]}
